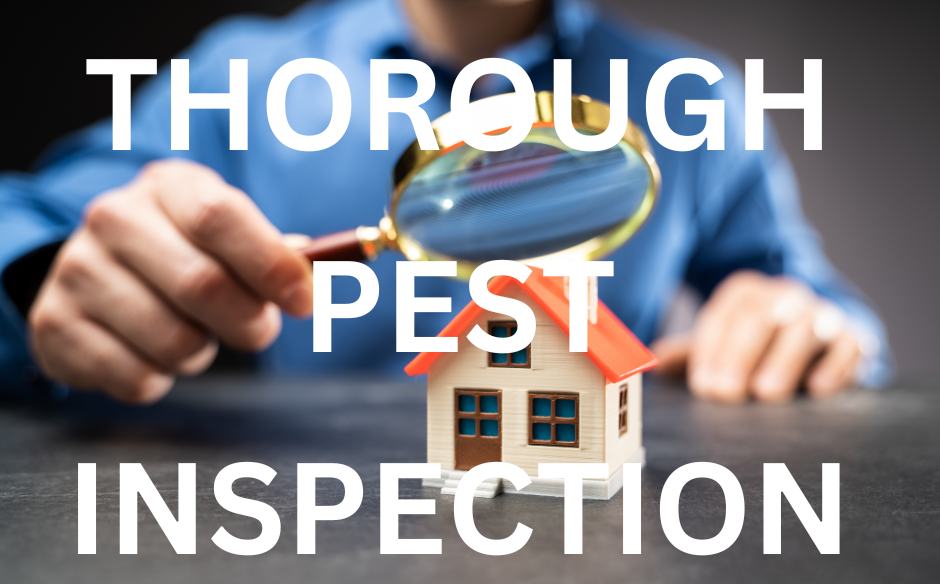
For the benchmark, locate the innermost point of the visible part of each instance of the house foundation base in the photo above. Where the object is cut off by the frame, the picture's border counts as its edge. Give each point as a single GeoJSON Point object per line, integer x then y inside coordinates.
{"type": "Point", "coordinates": [591, 488]}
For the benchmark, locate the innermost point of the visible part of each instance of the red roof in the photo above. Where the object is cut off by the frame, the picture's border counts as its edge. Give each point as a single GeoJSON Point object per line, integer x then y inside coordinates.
{"type": "Point", "coordinates": [611, 345]}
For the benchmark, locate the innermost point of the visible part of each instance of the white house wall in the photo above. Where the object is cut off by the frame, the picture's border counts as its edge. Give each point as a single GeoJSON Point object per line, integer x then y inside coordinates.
{"type": "Point", "coordinates": [554, 369]}
{"type": "Point", "coordinates": [620, 448]}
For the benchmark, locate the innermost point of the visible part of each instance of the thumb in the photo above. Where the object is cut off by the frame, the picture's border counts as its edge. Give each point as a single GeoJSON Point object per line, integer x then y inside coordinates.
{"type": "Point", "coordinates": [673, 354]}
{"type": "Point", "coordinates": [296, 241]}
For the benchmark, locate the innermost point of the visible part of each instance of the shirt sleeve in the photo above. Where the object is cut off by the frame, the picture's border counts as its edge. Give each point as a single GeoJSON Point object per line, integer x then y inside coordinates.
{"type": "Point", "coordinates": [44, 207]}
{"type": "Point", "coordinates": [748, 216]}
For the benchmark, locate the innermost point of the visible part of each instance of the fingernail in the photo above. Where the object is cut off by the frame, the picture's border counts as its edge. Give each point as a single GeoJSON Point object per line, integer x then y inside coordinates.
{"type": "Point", "coordinates": [298, 299]}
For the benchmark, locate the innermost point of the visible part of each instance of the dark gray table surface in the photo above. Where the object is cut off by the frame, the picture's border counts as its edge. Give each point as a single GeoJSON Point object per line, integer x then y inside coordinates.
{"type": "Point", "coordinates": [886, 441]}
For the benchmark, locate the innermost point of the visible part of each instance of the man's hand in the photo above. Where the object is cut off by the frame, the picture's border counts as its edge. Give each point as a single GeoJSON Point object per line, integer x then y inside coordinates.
{"type": "Point", "coordinates": [161, 268]}
{"type": "Point", "coordinates": [763, 336]}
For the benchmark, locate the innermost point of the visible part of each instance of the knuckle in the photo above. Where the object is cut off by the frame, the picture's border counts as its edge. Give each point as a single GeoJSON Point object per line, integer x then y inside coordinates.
{"type": "Point", "coordinates": [74, 266]}
{"type": "Point", "coordinates": [210, 214]}
{"type": "Point", "coordinates": [100, 213]}
{"type": "Point", "coordinates": [104, 212]}
{"type": "Point", "coordinates": [273, 259]}
{"type": "Point", "coordinates": [280, 269]}
{"type": "Point", "coordinates": [207, 196]}
{"type": "Point", "coordinates": [201, 283]}
{"type": "Point", "coordinates": [45, 321]}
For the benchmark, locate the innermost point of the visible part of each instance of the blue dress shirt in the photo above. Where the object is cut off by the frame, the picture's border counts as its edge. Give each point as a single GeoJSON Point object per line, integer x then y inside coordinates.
{"type": "Point", "coordinates": [720, 211]}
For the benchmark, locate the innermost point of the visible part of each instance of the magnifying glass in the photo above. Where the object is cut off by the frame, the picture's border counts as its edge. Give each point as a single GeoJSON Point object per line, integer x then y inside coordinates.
{"type": "Point", "coordinates": [537, 202]}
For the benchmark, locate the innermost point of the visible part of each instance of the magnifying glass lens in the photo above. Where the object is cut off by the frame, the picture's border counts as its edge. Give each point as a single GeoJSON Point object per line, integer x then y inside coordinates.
{"type": "Point", "coordinates": [533, 200]}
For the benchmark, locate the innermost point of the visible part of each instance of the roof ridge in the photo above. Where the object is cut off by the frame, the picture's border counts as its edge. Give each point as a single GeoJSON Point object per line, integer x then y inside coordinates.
{"type": "Point", "coordinates": [612, 347]}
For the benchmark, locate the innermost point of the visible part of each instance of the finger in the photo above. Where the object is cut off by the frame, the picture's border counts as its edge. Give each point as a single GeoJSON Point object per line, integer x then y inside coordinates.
{"type": "Point", "coordinates": [752, 308]}
{"type": "Point", "coordinates": [836, 370]}
{"type": "Point", "coordinates": [734, 333]}
{"type": "Point", "coordinates": [80, 353]}
{"type": "Point", "coordinates": [673, 354]}
{"type": "Point", "coordinates": [141, 237]}
{"type": "Point", "coordinates": [112, 296]}
{"type": "Point", "coordinates": [225, 222]}
{"type": "Point", "coordinates": [792, 350]}
{"type": "Point", "coordinates": [199, 361]}
{"type": "Point", "coordinates": [747, 334]}
{"type": "Point", "coordinates": [707, 333]}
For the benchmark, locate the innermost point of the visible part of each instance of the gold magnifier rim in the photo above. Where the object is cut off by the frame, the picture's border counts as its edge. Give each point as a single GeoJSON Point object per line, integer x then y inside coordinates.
{"type": "Point", "coordinates": [587, 114]}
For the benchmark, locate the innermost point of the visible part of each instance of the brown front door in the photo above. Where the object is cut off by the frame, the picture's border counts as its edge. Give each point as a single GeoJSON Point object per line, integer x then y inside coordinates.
{"type": "Point", "coordinates": [478, 427]}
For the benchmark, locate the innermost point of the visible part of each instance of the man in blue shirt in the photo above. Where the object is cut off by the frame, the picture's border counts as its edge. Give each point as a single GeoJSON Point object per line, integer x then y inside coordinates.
{"type": "Point", "coordinates": [162, 259]}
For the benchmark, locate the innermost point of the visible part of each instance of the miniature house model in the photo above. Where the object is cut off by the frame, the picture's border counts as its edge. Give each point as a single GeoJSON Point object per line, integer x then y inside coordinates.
{"type": "Point", "coordinates": [540, 404]}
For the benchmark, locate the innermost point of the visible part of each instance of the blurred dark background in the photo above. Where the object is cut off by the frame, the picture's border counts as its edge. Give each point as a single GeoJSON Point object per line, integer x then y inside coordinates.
{"type": "Point", "coordinates": [870, 191]}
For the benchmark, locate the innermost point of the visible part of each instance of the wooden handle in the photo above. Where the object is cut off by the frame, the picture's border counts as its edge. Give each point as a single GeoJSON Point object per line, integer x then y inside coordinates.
{"type": "Point", "coordinates": [342, 246]}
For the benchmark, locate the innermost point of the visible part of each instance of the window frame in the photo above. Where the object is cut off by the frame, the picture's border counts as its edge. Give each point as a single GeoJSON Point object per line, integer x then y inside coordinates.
{"type": "Point", "coordinates": [623, 412]}
{"type": "Point", "coordinates": [477, 415]}
{"type": "Point", "coordinates": [553, 420]}
{"type": "Point", "coordinates": [508, 364]}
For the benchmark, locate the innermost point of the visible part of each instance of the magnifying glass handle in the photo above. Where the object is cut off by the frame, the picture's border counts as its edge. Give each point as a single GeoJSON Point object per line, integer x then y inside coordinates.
{"type": "Point", "coordinates": [337, 247]}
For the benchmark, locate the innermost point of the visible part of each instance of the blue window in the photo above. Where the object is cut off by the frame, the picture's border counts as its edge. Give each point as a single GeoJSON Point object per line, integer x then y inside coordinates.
{"type": "Point", "coordinates": [467, 427]}
{"type": "Point", "coordinates": [466, 404]}
{"type": "Point", "coordinates": [489, 428]}
{"type": "Point", "coordinates": [542, 432]}
{"type": "Point", "coordinates": [564, 408]}
{"type": "Point", "coordinates": [542, 407]}
{"type": "Point", "coordinates": [488, 404]}
{"type": "Point", "coordinates": [478, 414]}
{"type": "Point", "coordinates": [499, 358]}
{"type": "Point", "coordinates": [521, 358]}
{"type": "Point", "coordinates": [553, 419]}
{"type": "Point", "coordinates": [564, 432]}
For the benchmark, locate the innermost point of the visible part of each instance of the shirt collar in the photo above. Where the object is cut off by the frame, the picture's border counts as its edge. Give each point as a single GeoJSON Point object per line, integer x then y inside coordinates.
{"type": "Point", "coordinates": [564, 29]}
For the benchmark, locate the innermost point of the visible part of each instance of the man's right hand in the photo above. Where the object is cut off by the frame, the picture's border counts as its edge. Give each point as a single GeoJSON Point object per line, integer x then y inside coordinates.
{"type": "Point", "coordinates": [160, 270]}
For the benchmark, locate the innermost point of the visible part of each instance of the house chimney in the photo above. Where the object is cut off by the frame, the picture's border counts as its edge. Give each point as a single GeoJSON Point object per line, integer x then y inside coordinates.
{"type": "Point", "coordinates": [591, 295]}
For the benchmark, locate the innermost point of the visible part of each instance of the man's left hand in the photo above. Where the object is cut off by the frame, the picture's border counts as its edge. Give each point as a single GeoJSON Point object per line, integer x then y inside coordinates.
{"type": "Point", "coordinates": [763, 336]}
